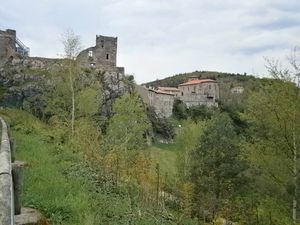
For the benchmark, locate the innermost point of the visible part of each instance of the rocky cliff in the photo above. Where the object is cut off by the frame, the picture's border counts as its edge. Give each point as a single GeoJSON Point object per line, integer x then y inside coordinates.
{"type": "Point", "coordinates": [24, 84]}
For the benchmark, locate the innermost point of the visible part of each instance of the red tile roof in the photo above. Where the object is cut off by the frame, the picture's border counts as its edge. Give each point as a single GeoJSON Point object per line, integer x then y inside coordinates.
{"type": "Point", "coordinates": [192, 82]}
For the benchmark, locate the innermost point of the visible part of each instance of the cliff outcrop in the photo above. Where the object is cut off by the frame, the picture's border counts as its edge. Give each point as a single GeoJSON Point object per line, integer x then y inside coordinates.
{"type": "Point", "coordinates": [24, 84]}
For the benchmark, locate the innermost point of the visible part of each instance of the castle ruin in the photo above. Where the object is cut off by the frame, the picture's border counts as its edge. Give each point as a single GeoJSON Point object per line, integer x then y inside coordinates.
{"type": "Point", "coordinates": [11, 47]}
{"type": "Point", "coordinates": [102, 56]}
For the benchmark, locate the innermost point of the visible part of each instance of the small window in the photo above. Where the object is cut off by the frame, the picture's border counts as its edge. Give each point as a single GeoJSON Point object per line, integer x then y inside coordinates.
{"type": "Point", "coordinates": [181, 93]}
{"type": "Point", "coordinates": [209, 86]}
{"type": "Point", "coordinates": [102, 43]}
{"type": "Point", "coordinates": [107, 56]}
{"type": "Point", "coordinates": [90, 53]}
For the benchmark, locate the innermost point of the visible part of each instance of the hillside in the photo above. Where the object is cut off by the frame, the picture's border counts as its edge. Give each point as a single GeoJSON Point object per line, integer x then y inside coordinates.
{"type": "Point", "coordinates": [226, 80]}
{"type": "Point", "coordinates": [175, 80]}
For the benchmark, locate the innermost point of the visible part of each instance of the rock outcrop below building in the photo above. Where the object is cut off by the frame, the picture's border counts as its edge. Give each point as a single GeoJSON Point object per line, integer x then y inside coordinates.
{"type": "Point", "coordinates": [24, 80]}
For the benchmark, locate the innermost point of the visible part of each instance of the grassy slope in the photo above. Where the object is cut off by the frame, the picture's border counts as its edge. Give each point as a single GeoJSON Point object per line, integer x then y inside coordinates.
{"type": "Point", "coordinates": [166, 156]}
{"type": "Point", "coordinates": [46, 188]}
{"type": "Point", "coordinates": [65, 187]}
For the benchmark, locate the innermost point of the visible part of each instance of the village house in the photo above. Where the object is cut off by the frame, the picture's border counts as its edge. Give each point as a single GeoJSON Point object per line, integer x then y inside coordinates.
{"type": "Point", "coordinates": [199, 92]}
{"type": "Point", "coordinates": [193, 92]}
{"type": "Point", "coordinates": [161, 101]}
{"type": "Point", "coordinates": [170, 90]}
{"type": "Point", "coordinates": [237, 90]}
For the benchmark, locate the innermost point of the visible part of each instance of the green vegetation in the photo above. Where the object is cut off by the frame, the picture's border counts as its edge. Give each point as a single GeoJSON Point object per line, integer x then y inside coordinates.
{"type": "Point", "coordinates": [238, 163]}
{"type": "Point", "coordinates": [175, 80]}
{"type": "Point", "coordinates": [65, 186]}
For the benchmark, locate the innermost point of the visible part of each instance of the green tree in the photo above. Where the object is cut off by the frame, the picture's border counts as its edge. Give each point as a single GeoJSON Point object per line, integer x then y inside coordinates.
{"type": "Point", "coordinates": [216, 167]}
{"type": "Point", "coordinates": [161, 126]}
{"type": "Point", "coordinates": [201, 112]}
{"type": "Point", "coordinates": [273, 148]}
{"type": "Point", "coordinates": [129, 125]}
{"type": "Point", "coordinates": [180, 110]}
{"type": "Point", "coordinates": [187, 139]}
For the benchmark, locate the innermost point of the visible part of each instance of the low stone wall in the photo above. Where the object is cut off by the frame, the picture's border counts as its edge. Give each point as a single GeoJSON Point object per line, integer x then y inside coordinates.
{"type": "Point", "coordinates": [6, 186]}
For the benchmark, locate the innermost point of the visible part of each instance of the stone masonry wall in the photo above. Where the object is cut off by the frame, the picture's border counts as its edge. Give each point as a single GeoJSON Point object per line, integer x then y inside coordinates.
{"type": "Point", "coordinates": [7, 44]}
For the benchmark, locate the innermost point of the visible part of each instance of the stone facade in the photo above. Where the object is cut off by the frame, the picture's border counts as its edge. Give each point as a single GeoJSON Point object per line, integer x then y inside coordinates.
{"type": "Point", "coordinates": [161, 101]}
{"type": "Point", "coordinates": [7, 44]}
{"type": "Point", "coordinates": [192, 93]}
{"type": "Point", "coordinates": [170, 90]}
{"type": "Point", "coordinates": [103, 55]}
{"type": "Point", "coordinates": [11, 47]}
{"type": "Point", "coordinates": [24, 79]}
{"type": "Point", "coordinates": [199, 92]}
{"type": "Point", "coordinates": [237, 90]}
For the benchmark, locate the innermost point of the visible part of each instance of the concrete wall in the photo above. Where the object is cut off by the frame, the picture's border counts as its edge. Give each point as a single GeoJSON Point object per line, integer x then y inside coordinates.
{"type": "Point", "coordinates": [6, 187]}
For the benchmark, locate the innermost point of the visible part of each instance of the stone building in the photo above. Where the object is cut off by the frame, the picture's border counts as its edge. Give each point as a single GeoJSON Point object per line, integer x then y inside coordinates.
{"type": "Point", "coordinates": [193, 92]}
{"type": "Point", "coordinates": [11, 47]}
{"type": "Point", "coordinates": [237, 90]}
{"type": "Point", "coordinates": [199, 92]}
{"type": "Point", "coordinates": [161, 101]}
{"type": "Point", "coordinates": [103, 55]}
{"type": "Point", "coordinates": [170, 90]}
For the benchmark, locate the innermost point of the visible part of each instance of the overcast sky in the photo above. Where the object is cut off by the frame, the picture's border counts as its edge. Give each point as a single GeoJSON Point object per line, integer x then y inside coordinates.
{"type": "Point", "coordinates": [159, 38]}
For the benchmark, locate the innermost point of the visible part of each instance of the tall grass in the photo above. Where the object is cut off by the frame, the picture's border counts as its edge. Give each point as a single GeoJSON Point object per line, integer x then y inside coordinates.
{"type": "Point", "coordinates": [64, 186]}
{"type": "Point", "coordinates": [63, 200]}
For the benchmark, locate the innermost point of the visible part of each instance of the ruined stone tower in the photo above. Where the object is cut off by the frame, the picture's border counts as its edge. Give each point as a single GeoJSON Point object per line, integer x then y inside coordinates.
{"type": "Point", "coordinates": [10, 46]}
{"type": "Point", "coordinates": [106, 50]}
{"type": "Point", "coordinates": [103, 55]}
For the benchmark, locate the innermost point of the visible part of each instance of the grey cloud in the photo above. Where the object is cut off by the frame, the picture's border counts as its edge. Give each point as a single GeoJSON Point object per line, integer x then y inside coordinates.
{"type": "Point", "coordinates": [162, 36]}
{"type": "Point", "coordinates": [261, 49]}
{"type": "Point", "coordinates": [276, 24]}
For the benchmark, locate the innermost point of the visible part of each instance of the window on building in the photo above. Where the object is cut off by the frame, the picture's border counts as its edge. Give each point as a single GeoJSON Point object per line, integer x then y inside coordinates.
{"type": "Point", "coordinates": [107, 56]}
{"type": "Point", "coordinates": [209, 86]}
{"type": "Point", "coordinates": [181, 93]}
{"type": "Point", "coordinates": [90, 53]}
{"type": "Point", "coordinates": [102, 43]}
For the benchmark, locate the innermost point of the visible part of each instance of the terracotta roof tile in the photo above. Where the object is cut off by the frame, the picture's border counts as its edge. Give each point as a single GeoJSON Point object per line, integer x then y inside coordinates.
{"type": "Point", "coordinates": [192, 82]}
{"type": "Point", "coordinates": [168, 89]}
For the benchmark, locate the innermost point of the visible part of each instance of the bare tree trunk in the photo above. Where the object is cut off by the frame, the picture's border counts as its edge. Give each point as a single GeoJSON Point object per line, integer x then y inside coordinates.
{"type": "Point", "coordinates": [186, 163]}
{"type": "Point", "coordinates": [295, 173]}
{"type": "Point", "coordinates": [157, 184]}
{"type": "Point", "coordinates": [73, 100]}
{"type": "Point", "coordinates": [295, 156]}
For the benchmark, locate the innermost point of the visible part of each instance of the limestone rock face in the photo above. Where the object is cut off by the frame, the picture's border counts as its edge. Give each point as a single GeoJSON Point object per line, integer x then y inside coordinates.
{"type": "Point", "coordinates": [25, 88]}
